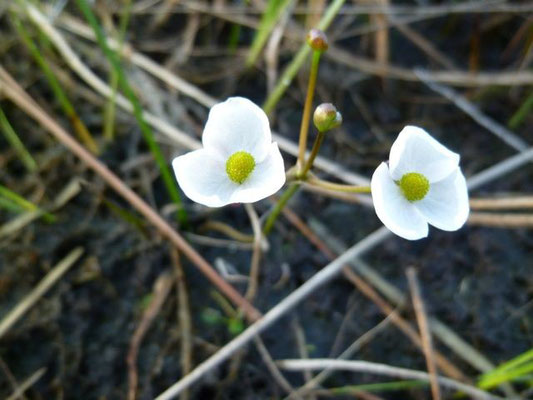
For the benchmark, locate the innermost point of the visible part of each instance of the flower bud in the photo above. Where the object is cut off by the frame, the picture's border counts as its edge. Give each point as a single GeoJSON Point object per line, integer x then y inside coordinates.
{"type": "Point", "coordinates": [317, 40]}
{"type": "Point", "coordinates": [326, 117]}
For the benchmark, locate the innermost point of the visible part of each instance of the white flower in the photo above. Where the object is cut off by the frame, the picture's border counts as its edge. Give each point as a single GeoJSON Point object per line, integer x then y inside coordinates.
{"type": "Point", "coordinates": [421, 184]}
{"type": "Point", "coordinates": [238, 162]}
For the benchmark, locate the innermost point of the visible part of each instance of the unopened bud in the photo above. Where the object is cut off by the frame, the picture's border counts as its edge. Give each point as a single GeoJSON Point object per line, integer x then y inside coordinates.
{"type": "Point", "coordinates": [317, 40]}
{"type": "Point", "coordinates": [326, 117]}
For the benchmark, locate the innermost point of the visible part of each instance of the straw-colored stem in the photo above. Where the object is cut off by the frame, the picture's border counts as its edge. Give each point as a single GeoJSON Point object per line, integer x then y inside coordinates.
{"type": "Point", "coordinates": [15, 142]}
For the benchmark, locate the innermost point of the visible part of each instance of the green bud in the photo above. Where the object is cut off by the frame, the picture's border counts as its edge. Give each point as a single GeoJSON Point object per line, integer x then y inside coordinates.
{"type": "Point", "coordinates": [317, 40]}
{"type": "Point", "coordinates": [326, 117]}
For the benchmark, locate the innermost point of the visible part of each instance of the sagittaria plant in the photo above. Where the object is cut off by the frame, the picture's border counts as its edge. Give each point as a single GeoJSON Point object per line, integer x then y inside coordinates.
{"type": "Point", "coordinates": [420, 184]}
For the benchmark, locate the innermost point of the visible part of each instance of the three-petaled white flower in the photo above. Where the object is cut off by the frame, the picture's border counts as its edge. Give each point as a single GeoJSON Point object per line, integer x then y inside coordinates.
{"type": "Point", "coordinates": [238, 162]}
{"type": "Point", "coordinates": [421, 184]}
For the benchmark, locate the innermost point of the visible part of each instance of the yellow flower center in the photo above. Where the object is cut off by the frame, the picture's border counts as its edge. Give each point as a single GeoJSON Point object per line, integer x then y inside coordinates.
{"type": "Point", "coordinates": [239, 166]}
{"type": "Point", "coordinates": [414, 186]}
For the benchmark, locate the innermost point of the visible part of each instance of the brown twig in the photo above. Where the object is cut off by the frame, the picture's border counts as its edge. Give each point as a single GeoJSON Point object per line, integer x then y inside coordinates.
{"type": "Point", "coordinates": [425, 335]}
{"type": "Point", "coordinates": [256, 253]}
{"type": "Point", "coordinates": [301, 343]}
{"type": "Point", "coordinates": [162, 288]}
{"type": "Point", "coordinates": [19, 97]}
{"type": "Point", "coordinates": [184, 317]}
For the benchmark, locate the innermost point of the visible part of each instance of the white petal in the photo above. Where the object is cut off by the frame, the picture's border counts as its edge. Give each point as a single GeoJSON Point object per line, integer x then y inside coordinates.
{"type": "Point", "coordinates": [393, 209]}
{"type": "Point", "coordinates": [266, 179]}
{"type": "Point", "coordinates": [416, 151]}
{"type": "Point", "coordinates": [237, 125]}
{"type": "Point", "coordinates": [202, 176]}
{"type": "Point", "coordinates": [446, 204]}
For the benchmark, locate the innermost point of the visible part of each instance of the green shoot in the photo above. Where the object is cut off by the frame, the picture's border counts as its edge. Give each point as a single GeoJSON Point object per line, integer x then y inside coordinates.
{"type": "Point", "coordinates": [66, 105]}
{"type": "Point", "coordinates": [137, 110]}
{"type": "Point", "coordinates": [16, 143]}
{"type": "Point", "coordinates": [14, 202]}
{"type": "Point", "coordinates": [271, 16]}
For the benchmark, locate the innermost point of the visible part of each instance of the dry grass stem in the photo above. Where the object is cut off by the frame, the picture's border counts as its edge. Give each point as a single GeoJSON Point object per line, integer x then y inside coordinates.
{"type": "Point", "coordinates": [184, 318]}
{"type": "Point", "coordinates": [27, 383]}
{"type": "Point", "coordinates": [470, 109]}
{"type": "Point", "coordinates": [256, 253]}
{"type": "Point", "coordinates": [425, 335]}
{"type": "Point", "coordinates": [162, 286]}
{"type": "Point", "coordinates": [42, 287]}
{"type": "Point", "coordinates": [499, 203]}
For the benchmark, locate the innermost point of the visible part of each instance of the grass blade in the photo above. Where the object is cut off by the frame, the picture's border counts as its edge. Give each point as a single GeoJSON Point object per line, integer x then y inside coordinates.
{"type": "Point", "coordinates": [137, 110]}
{"type": "Point", "coordinates": [16, 143]}
{"type": "Point", "coordinates": [14, 202]}
{"type": "Point", "coordinates": [66, 105]}
{"type": "Point", "coordinates": [109, 111]}
{"type": "Point", "coordinates": [271, 16]}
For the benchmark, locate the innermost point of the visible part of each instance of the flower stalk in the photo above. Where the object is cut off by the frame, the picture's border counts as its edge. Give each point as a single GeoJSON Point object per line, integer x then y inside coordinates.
{"type": "Point", "coordinates": [285, 197]}
{"type": "Point", "coordinates": [304, 128]}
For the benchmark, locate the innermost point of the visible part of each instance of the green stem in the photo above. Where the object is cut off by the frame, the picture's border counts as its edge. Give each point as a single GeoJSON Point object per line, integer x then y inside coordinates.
{"type": "Point", "coordinates": [314, 151]}
{"type": "Point", "coordinates": [338, 187]}
{"type": "Point", "coordinates": [285, 197]}
{"type": "Point", "coordinates": [137, 110]}
{"type": "Point", "coordinates": [16, 143]}
{"type": "Point", "coordinates": [66, 105]}
{"type": "Point", "coordinates": [8, 196]}
{"type": "Point", "coordinates": [304, 128]}
{"type": "Point", "coordinates": [109, 110]}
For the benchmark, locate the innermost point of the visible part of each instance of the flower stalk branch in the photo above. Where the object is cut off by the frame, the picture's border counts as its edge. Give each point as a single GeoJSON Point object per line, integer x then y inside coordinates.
{"type": "Point", "coordinates": [285, 197]}
{"type": "Point", "coordinates": [337, 187]}
{"type": "Point", "coordinates": [314, 151]}
{"type": "Point", "coordinates": [304, 128]}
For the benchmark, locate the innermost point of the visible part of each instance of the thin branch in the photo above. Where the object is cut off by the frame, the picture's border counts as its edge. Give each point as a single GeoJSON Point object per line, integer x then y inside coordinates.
{"type": "Point", "coordinates": [162, 287]}
{"type": "Point", "coordinates": [499, 169]}
{"type": "Point", "coordinates": [28, 383]}
{"type": "Point", "coordinates": [273, 368]}
{"type": "Point", "coordinates": [501, 220]}
{"type": "Point", "coordinates": [470, 109]}
{"type": "Point", "coordinates": [256, 253]}
{"type": "Point", "coordinates": [499, 203]}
